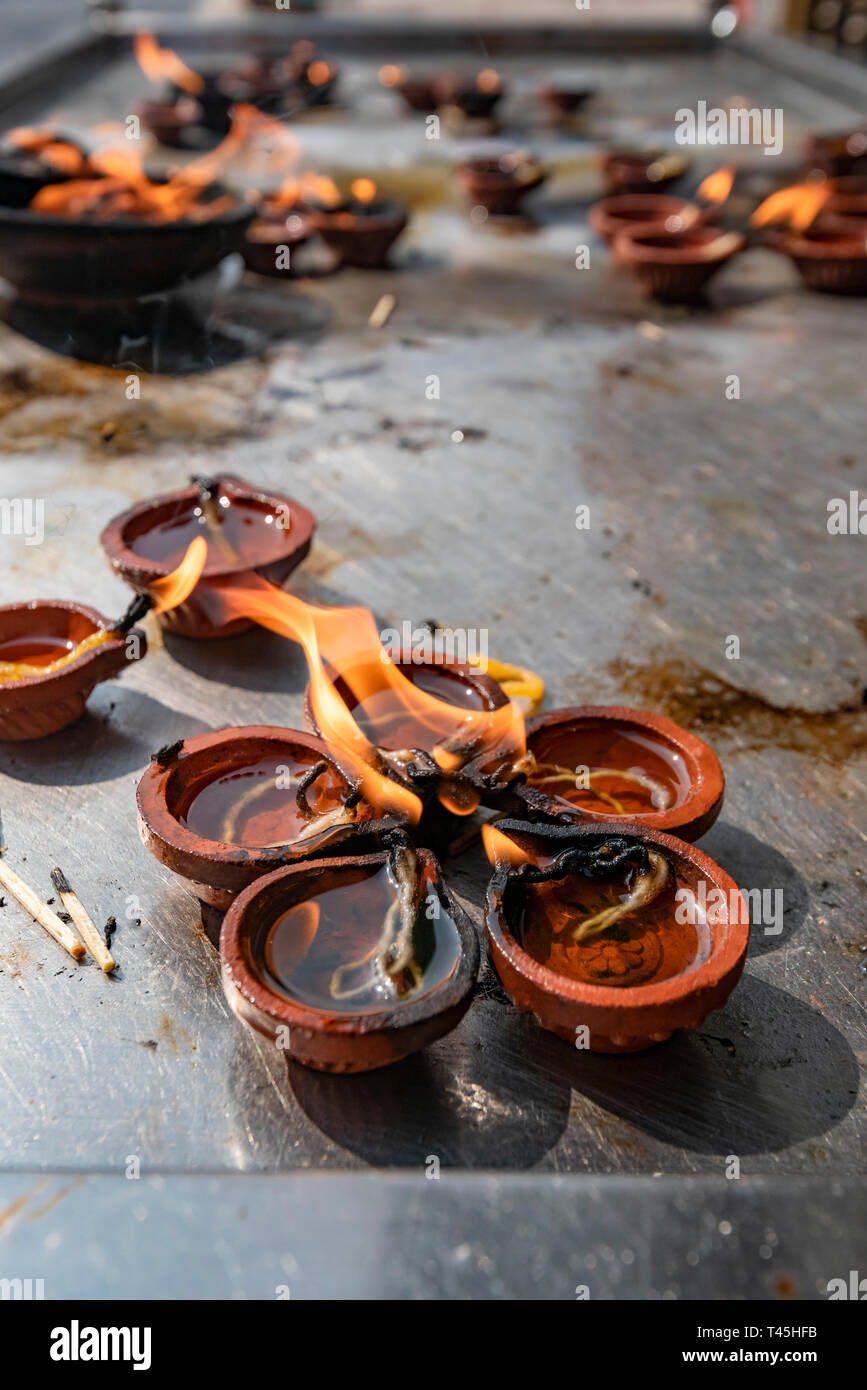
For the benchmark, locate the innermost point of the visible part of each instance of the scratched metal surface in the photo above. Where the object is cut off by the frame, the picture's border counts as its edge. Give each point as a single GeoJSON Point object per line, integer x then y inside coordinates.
{"type": "Point", "coordinates": [708, 518]}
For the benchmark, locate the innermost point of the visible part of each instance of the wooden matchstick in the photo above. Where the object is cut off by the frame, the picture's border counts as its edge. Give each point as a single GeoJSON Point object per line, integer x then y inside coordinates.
{"type": "Point", "coordinates": [381, 311]}
{"type": "Point", "coordinates": [90, 933]}
{"type": "Point", "coordinates": [40, 912]}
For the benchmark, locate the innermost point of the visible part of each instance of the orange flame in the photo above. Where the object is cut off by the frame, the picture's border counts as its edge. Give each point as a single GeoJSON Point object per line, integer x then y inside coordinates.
{"type": "Point", "coordinates": [124, 190]}
{"type": "Point", "coordinates": [500, 849]}
{"type": "Point", "coordinates": [161, 64]}
{"type": "Point", "coordinates": [363, 190]}
{"type": "Point", "coordinates": [488, 80]}
{"type": "Point", "coordinates": [44, 144]}
{"type": "Point", "coordinates": [319, 72]}
{"type": "Point", "coordinates": [173, 589]}
{"type": "Point", "coordinates": [797, 206]}
{"type": "Point", "coordinates": [717, 186]}
{"type": "Point", "coordinates": [392, 74]}
{"type": "Point", "coordinates": [347, 639]}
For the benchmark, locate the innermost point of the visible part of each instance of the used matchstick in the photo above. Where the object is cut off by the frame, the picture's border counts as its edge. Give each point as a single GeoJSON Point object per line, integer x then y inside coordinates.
{"type": "Point", "coordinates": [40, 912]}
{"type": "Point", "coordinates": [90, 934]}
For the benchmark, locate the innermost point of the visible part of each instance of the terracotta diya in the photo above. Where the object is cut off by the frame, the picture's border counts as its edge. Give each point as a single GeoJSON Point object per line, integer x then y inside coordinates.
{"type": "Point", "coordinates": [501, 183]}
{"type": "Point", "coordinates": [407, 739]}
{"type": "Point", "coordinates": [249, 532]}
{"type": "Point", "coordinates": [362, 230]}
{"type": "Point", "coordinates": [564, 99]}
{"type": "Point", "coordinates": [352, 963]}
{"type": "Point", "coordinates": [830, 256]}
{"type": "Point", "coordinates": [599, 762]}
{"type": "Point", "coordinates": [839, 154]}
{"type": "Point", "coordinates": [676, 266]}
{"type": "Point", "coordinates": [611, 935]}
{"type": "Point", "coordinates": [475, 97]}
{"type": "Point", "coordinates": [418, 93]}
{"type": "Point", "coordinates": [52, 654]}
{"type": "Point", "coordinates": [223, 808]}
{"type": "Point", "coordinates": [275, 227]}
{"type": "Point", "coordinates": [641, 171]}
{"type": "Point", "coordinates": [610, 215]}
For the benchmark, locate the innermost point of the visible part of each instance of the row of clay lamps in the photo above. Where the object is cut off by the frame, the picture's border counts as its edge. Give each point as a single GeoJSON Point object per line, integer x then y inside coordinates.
{"type": "Point", "coordinates": [668, 242]}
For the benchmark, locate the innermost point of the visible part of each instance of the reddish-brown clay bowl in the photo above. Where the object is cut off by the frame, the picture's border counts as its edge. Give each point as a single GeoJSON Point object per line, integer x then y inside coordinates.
{"type": "Point", "coordinates": [555, 736]}
{"type": "Point", "coordinates": [35, 706]}
{"type": "Point", "coordinates": [195, 618]}
{"type": "Point", "coordinates": [610, 215]}
{"type": "Point", "coordinates": [625, 1019]}
{"type": "Point", "coordinates": [462, 90]}
{"type": "Point", "coordinates": [839, 155]}
{"type": "Point", "coordinates": [500, 185]}
{"type": "Point", "coordinates": [265, 234]}
{"type": "Point", "coordinates": [676, 266]}
{"type": "Point", "coordinates": [564, 101]}
{"type": "Point", "coordinates": [170, 121]}
{"type": "Point", "coordinates": [641, 171]}
{"type": "Point", "coordinates": [339, 1042]}
{"type": "Point", "coordinates": [361, 240]}
{"type": "Point", "coordinates": [218, 871]}
{"type": "Point", "coordinates": [473, 690]}
{"type": "Point", "coordinates": [418, 93]}
{"type": "Point", "coordinates": [830, 256]}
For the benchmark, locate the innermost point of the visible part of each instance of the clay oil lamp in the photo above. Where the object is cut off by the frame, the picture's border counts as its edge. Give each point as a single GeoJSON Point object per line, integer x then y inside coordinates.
{"type": "Point", "coordinates": [676, 266]}
{"type": "Point", "coordinates": [362, 230]}
{"type": "Point", "coordinates": [563, 99]}
{"type": "Point", "coordinates": [418, 93]}
{"type": "Point", "coordinates": [612, 937]}
{"type": "Point", "coordinates": [249, 534]}
{"type": "Point", "coordinates": [177, 112]}
{"type": "Point", "coordinates": [828, 251]}
{"type": "Point", "coordinates": [500, 184]}
{"type": "Point", "coordinates": [641, 171]}
{"type": "Point", "coordinates": [837, 155]}
{"type": "Point", "coordinates": [830, 257]}
{"type": "Point", "coordinates": [848, 198]}
{"type": "Point", "coordinates": [116, 235]}
{"type": "Point", "coordinates": [286, 219]}
{"type": "Point", "coordinates": [471, 97]}
{"type": "Point", "coordinates": [601, 762]}
{"type": "Point", "coordinates": [610, 215]}
{"type": "Point", "coordinates": [53, 653]}
{"type": "Point", "coordinates": [313, 79]}
{"type": "Point", "coordinates": [224, 808]}
{"type": "Point", "coordinates": [352, 963]}
{"type": "Point", "coordinates": [430, 724]}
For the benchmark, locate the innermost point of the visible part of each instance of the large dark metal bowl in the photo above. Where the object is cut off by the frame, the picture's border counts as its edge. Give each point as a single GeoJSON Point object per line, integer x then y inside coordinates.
{"type": "Point", "coordinates": [82, 259]}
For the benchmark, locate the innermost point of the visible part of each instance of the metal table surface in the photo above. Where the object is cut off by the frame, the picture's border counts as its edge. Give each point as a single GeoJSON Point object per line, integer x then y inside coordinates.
{"type": "Point", "coordinates": [708, 519]}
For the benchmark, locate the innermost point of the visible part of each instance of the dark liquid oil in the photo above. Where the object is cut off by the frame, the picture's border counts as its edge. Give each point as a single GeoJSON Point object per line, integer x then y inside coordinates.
{"type": "Point", "coordinates": [36, 649]}
{"type": "Point", "coordinates": [644, 947]}
{"type": "Point", "coordinates": [387, 725]}
{"type": "Point", "coordinates": [298, 955]}
{"type": "Point", "coordinates": [234, 530]}
{"type": "Point", "coordinates": [616, 749]}
{"type": "Point", "coordinates": [255, 806]}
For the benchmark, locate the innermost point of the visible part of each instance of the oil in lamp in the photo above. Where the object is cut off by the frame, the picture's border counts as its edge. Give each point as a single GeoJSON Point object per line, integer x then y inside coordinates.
{"type": "Point", "coordinates": [603, 932]}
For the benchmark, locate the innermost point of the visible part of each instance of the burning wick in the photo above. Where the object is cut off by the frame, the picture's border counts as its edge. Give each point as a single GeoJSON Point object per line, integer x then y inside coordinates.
{"type": "Point", "coordinates": [164, 594]}
{"type": "Point", "coordinates": [214, 515]}
{"type": "Point", "coordinates": [161, 64]}
{"type": "Point", "coordinates": [716, 188]}
{"type": "Point", "coordinates": [649, 868]}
